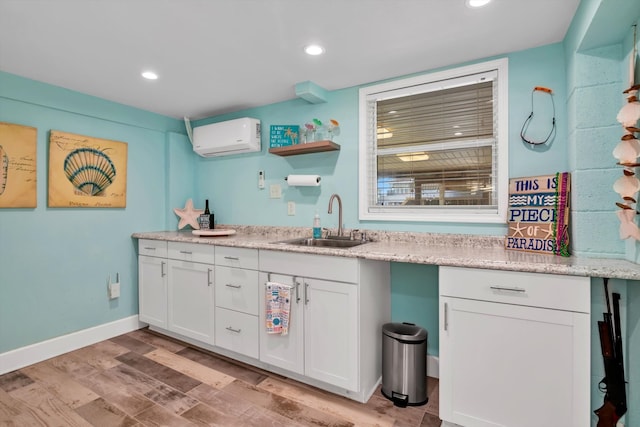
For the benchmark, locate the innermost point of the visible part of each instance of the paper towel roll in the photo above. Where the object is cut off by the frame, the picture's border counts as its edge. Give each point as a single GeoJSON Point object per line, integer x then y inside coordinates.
{"type": "Point", "coordinates": [303, 180]}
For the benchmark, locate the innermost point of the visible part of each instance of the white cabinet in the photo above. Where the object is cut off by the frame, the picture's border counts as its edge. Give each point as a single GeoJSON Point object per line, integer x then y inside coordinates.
{"type": "Point", "coordinates": [514, 348]}
{"type": "Point", "coordinates": [322, 342]}
{"type": "Point", "coordinates": [331, 332]}
{"type": "Point", "coordinates": [284, 351]}
{"type": "Point", "coordinates": [191, 291]}
{"type": "Point", "coordinates": [236, 296]}
{"type": "Point", "coordinates": [152, 282]}
{"type": "Point", "coordinates": [338, 307]}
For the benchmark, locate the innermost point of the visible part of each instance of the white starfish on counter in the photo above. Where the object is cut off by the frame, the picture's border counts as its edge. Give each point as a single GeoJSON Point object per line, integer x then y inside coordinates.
{"type": "Point", "coordinates": [188, 215]}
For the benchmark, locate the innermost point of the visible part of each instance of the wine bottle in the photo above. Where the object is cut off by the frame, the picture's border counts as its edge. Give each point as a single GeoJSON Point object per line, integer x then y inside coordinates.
{"type": "Point", "coordinates": [205, 219]}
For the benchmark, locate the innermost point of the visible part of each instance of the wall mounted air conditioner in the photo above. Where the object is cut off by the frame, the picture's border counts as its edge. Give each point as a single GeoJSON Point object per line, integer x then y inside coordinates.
{"type": "Point", "coordinates": [225, 138]}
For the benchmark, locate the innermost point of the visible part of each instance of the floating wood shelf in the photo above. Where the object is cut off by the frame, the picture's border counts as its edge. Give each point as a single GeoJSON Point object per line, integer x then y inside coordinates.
{"type": "Point", "coordinates": [309, 147]}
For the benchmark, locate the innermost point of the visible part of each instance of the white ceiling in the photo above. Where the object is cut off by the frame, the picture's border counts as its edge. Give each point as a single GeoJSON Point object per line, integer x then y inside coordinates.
{"type": "Point", "coordinates": [218, 56]}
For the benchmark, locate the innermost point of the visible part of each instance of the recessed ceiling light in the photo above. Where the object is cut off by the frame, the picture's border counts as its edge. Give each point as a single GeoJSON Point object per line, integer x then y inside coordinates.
{"type": "Point", "coordinates": [458, 134]}
{"type": "Point", "coordinates": [149, 75]}
{"type": "Point", "coordinates": [314, 49]}
{"type": "Point", "coordinates": [413, 157]}
{"type": "Point", "coordinates": [383, 133]}
{"type": "Point", "coordinates": [477, 3]}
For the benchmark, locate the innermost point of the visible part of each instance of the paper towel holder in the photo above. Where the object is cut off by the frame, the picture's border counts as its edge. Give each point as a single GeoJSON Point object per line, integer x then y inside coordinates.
{"type": "Point", "coordinates": [316, 178]}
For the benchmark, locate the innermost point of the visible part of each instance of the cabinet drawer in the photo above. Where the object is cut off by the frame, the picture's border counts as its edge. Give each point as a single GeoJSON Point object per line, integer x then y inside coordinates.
{"type": "Point", "coordinates": [312, 266]}
{"type": "Point", "coordinates": [237, 289]}
{"type": "Point", "coordinates": [192, 252]}
{"type": "Point", "coordinates": [237, 257]}
{"type": "Point", "coordinates": [237, 332]}
{"type": "Point", "coordinates": [157, 248]}
{"type": "Point", "coordinates": [570, 293]}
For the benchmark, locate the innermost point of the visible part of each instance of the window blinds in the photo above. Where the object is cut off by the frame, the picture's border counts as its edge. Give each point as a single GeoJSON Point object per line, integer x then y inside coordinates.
{"type": "Point", "coordinates": [434, 144]}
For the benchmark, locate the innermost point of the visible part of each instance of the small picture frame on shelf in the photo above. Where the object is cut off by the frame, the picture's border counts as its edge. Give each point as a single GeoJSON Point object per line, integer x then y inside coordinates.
{"type": "Point", "coordinates": [284, 135]}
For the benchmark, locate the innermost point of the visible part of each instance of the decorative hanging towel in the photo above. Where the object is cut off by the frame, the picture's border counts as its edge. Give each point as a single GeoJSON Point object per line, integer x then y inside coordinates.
{"type": "Point", "coordinates": [538, 216]}
{"type": "Point", "coordinates": [278, 305]}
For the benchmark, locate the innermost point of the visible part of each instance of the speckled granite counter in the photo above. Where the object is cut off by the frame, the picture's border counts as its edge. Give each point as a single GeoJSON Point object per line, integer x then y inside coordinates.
{"type": "Point", "coordinates": [418, 248]}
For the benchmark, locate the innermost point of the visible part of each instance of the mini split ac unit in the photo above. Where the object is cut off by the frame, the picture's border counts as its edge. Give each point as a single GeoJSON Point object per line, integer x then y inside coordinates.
{"type": "Point", "coordinates": [226, 138]}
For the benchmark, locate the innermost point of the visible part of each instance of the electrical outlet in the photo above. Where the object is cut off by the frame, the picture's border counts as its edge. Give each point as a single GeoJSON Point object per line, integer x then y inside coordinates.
{"type": "Point", "coordinates": [275, 191]}
{"type": "Point", "coordinates": [114, 290]}
{"type": "Point", "coordinates": [261, 180]}
{"type": "Point", "coordinates": [291, 208]}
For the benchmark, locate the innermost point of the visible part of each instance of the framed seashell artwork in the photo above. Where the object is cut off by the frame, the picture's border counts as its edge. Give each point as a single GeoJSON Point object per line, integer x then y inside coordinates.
{"type": "Point", "coordinates": [86, 172]}
{"type": "Point", "coordinates": [18, 180]}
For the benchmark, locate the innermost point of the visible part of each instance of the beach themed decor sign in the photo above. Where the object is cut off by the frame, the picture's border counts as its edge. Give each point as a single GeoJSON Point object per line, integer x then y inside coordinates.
{"type": "Point", "coordinates": [283, 135]}
{"type": "Point", "coordinates": [18, 180]}
{"type": "Point", "coordinates": [538, 216]}
{"type": "Point", "coordinates": [86, 172]}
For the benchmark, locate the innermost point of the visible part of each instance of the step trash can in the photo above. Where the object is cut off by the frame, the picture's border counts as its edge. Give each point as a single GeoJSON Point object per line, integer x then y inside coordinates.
{"type": "Point", "coordinates": [404, 364]}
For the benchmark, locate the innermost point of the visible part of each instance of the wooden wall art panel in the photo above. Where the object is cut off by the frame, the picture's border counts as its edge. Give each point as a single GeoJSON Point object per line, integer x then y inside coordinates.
{"type": "Point", "coordinates": [538, 216]}
{"type": "Point", "coordinates": [18, 178]}
{"type": "Point", "coordinates": [86, 172]}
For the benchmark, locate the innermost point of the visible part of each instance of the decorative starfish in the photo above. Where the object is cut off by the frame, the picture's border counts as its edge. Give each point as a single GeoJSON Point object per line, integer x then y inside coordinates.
{"type": "Point", "coordinates": [549, 231]}
{"type": "Point", "coordinates": [517, 229]}
{"type": "Point", "coordinates": [188, 215]}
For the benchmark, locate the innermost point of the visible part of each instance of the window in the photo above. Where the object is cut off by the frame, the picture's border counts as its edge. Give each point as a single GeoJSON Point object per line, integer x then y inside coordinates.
{"type": "Point", "coordinates": [435, 147]}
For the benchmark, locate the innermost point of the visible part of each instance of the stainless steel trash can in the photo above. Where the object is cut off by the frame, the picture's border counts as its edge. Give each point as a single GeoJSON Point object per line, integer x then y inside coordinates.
{"type": "Point", "coordinates": [404, 364]}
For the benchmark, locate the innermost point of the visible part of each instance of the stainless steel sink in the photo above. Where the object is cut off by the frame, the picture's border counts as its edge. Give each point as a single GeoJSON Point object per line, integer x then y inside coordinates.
{"type": "Point", "coordinates": [328, 243]}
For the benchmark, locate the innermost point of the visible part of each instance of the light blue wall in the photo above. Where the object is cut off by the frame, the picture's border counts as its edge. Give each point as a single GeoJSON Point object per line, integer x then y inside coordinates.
{"type": "Point", "coordinates": [339, 170]}
{"type": "Point", "coordinates": [54, 263]}
{"type": "Point", "coordinates": [597, 73]}
{"type": "Point", "coordinates": [230, 183]}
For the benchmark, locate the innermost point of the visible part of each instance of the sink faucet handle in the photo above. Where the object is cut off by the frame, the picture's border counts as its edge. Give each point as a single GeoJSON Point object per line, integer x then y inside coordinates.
{"type": "Point", "coordinates": [326, 232]}
{"type": "Point", "coordinates": [352, 234]}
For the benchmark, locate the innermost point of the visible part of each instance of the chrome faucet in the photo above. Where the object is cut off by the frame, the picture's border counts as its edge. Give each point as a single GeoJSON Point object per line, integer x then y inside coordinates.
{"type": "Point", "coordinates": [335, 196]}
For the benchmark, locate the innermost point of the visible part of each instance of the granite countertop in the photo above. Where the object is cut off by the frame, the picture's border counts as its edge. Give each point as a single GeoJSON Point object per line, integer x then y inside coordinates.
{"type": "Point", "coordinates": [417, 248]}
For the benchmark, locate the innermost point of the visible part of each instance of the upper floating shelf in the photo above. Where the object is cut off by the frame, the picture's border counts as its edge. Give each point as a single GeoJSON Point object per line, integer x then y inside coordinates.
{"type": "Point", "coordinates": [309, 147]}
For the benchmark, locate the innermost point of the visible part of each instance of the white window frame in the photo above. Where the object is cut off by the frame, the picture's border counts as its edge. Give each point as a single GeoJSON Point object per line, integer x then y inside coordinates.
{"type": "Point", "coordinates": [438, 214]}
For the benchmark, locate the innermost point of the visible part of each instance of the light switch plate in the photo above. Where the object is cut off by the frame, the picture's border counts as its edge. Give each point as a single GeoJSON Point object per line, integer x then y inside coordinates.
{"type": "Point", "coordinates": [291, 208]}
{"type": "Point", "coordinates": [261, 179]}
{"type": "Point", "coordinates": [275, 191]}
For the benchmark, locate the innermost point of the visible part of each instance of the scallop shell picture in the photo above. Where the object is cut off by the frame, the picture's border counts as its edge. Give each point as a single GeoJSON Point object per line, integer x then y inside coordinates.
{"type": "Point", "coordinates": [4, 169]}
{"type": "Point", "coordinates": [90, 171]}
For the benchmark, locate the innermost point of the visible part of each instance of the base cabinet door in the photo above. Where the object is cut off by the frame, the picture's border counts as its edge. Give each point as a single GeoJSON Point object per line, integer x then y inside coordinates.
{"type": "Point", "coordinates": [152, 290]}
{"type": "Point", "coordinates": [283, 351]}
{"type": "Point", "coordinates": [322, 342]}
{"type": "Point", "coordinates": [191, 304]}
{"type": "Point", "coordinates": [505, 365]}
{"type": "Point", "coordinates": [331, 332]}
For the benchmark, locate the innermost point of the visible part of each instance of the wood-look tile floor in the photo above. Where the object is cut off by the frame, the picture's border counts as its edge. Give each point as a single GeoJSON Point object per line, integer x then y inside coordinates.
{"type": "Point", "coordinates": [145, 379]}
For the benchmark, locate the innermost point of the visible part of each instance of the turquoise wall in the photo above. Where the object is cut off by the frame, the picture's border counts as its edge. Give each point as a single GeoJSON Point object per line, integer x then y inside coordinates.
{"type": "Point", "coordinates": [339, 170]}
{"type": "Point", "coordinates": [230, 183]}
{"type": "Point", "coordinates": [597, 73]}
{"type": "Point", "coordinates": [55, 263]}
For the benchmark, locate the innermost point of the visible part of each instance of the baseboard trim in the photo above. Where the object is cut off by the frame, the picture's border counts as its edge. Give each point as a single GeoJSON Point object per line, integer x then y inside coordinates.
{"type": "Point", "coordinates": [433, 366]}
{"type": "Point", "coordinates": [34, 353]}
